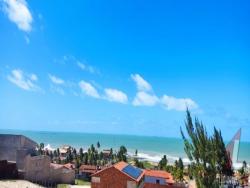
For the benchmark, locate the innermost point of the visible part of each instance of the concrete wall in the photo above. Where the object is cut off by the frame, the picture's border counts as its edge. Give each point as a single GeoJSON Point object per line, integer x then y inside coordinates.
{"type": "Point", "coordinates": [62, 175]}
{"type": "Point", "coordinates": [9, 144]}
{"type": "Point", "coordinates": [150, 179]}
{"type": "Point", "coordinates": [37, 168]}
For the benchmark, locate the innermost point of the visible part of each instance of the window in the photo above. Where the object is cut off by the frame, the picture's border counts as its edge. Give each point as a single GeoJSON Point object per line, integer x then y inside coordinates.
{"type": "Point", "coordinates": [157, 181]}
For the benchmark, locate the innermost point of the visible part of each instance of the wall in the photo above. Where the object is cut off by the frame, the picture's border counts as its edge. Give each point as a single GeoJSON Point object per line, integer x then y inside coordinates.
{"type": "Point", "coordinates": [150, 179]}
{"type": "Point", "coordinates": [111, 177]}
{"type": "Point", "coordinates": [9, 144]}
{"type": "Point", "coordinates": [37, 168]}
{"type": "Point", "coordinates": [8, 170]}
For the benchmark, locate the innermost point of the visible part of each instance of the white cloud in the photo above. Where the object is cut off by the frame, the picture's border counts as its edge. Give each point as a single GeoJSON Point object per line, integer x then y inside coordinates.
{"type": "Point", "coordinates": [115, 96]}
{"type": "Point", "coordinates": [88, 89]}
{"type": "Point", "coordinates": [81, 65]}
{"type": "Point", "coordinates": [142, 85]}
{"type": "Point", "coordinates": [56, 80]}
{"type": "Point", "coordinates": [85, 67]}
{"type": "Point", "coordinates": [22, 80]}
{"type": "Point", "coordinates": [179, 104]}
{"type": "Point", "coordinates": [144, 99]}
{"type": "Point", "coordinates": [18, 12]}
{"type": "Point", "coordinates": [33, 77]}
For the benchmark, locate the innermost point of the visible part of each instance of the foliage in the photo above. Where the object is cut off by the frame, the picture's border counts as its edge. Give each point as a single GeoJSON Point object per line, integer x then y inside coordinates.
{"type": "Point", "coordinates": [207, 154]}
{"type": "Point", "coordinates": [122, 154]}
{"type": "Point", "coordinates": [163, 163]}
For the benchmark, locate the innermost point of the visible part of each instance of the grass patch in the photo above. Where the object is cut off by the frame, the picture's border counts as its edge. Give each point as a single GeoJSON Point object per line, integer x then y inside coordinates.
{"type": "Point", "coordinates": [81, 182]}
{"type": "Point", "coordinates": [62, 186]}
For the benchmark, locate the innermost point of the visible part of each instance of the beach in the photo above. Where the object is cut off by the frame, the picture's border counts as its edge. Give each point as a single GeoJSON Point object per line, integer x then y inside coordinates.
{"type": "Point", "coordinates": [149, 148]}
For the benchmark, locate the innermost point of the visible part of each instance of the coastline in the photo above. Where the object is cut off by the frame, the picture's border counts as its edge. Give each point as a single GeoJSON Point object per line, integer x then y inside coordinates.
{"type": "Point", "coordinates": [149, 148]}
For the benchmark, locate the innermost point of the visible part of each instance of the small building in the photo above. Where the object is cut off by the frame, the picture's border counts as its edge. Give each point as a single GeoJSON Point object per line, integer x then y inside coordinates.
{"type": "Point", "coordinates": [123, 175]}
{"type": "Point", "coordinates": [21, 151]}
{"type": "Point", "coordinates": [86, 171]}
{"type": "Point", "coordinates": [157, 178]}
{"type": "Point", "coordinates": [106, 153]}
{"type": "Point", "coordinates": [120, 175]}
{"type": "Point", "coordinates": [61, 174]}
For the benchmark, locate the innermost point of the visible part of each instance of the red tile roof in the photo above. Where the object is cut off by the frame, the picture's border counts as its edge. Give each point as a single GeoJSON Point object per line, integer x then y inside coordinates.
{"type": "Point", "coordinates": [160, 174]}
{"type": "Point", "coordinates": [90, 168]}
{"type": "Point", "coordinates": [120, 165]}
{"type": "Point", "coordinates": [69, 166]}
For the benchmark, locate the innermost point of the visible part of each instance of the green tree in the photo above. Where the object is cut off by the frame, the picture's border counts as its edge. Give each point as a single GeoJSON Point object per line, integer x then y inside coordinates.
{"type": "Point", "coordinates": [163, 163]}
{"type": "Point", "coordinates": [204, 152]}
{"type": "Point", "coordinates": [122, 154]}
{"type": "Point", "coordinates": [178, 170]}
{"type": "Point", "coordinates": [41, 149]}
{"type": "Point", "coordinates": [138, 163]}
{"type": "Point", "coordinates": [98, 145]}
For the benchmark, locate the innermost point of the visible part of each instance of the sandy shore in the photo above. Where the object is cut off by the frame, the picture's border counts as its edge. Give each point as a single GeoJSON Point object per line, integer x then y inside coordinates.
{"type": "Point", "coordinates": [18, 184]}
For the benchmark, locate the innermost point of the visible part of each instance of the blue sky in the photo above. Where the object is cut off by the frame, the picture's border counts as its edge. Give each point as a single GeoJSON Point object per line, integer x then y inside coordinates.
{"type": "Point", "coordinates": [124, 67]}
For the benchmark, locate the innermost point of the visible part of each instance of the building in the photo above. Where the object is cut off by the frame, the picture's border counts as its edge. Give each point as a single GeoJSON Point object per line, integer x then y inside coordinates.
{"type": "Point", "coordinates": [120, 175]}
{"type": "Point", "coordinates": [22, 151]}
{"type": "Point", "coordinates": [15, 148]}
{"type": "Point", "coordinates": [158, 177]}
{"type": "Point", "coordinates": [61, 174]}
{"type": "Point", "coordinates": [123, 175]}
{"type": "Point", "coordinates": [86, 171]}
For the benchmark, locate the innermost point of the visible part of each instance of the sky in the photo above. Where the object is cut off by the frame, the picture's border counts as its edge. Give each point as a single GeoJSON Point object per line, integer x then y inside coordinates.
{"type": "Point", "coordinates": [125, 67]}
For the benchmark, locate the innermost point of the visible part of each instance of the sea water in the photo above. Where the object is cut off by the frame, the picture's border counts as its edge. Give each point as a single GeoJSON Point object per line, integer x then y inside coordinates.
{"type": "Point", "coordinates": [150, 148]}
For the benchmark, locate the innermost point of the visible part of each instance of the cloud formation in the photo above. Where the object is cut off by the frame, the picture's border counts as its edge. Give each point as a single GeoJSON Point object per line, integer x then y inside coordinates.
{"type": "Point", "coordinates": [144, 99]}
{"type": "Point", "coordinates": [19, 13]}
{"type": "Point", "coordinates": [179, 104]}
{"type": "Point", "coordinates": [56, 80]}
{"type": "Point", "coordinates": [142, 85]}
{"type": "Point", "coordinates": [115, 95]}
{"type": "Point", "coordinates": [88, 89]}
{"type": "Point", "coordinates": [85, 67]}
{"type": "Point", "coordinates": [23, 81]}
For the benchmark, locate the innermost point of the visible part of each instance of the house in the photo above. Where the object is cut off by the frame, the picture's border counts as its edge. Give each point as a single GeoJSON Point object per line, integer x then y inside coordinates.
{"type": "Point", "coordinates": [85, 171]}
{"type": "Point", "coordinates": [106, 153]}
{"type": "Point", "coordinates": [157, 178]}
{"type": "Point", "coordinates": [120, 175]}
{"type": "Point", "coordinates": [39, 169]}
{"type": "Point", "coordinates": [70, 166]}
{"type": "Point", "coordinates": [123, 175]}
{"type": "Point", "coordinates": [61, 174]}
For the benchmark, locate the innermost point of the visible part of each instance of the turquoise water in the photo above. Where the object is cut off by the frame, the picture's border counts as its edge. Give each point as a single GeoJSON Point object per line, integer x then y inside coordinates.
{"type": "Point", "coordinates": [149, 147]}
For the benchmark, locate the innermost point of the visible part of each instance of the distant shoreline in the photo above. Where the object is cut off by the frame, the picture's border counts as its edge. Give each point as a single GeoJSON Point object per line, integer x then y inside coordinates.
{"type": "Point", "coordinates": [149, 147]}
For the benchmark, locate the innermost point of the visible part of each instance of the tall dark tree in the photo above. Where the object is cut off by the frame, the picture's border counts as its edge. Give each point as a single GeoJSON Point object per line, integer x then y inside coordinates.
{"type": "Point", "coordinates": [163, 163]}
{"type": "Point", "coordinates": [98, 145]}
{"type": "Point", "coordinates": [205, 153]}
{"type": "Point", "coordinates": [122, 154]}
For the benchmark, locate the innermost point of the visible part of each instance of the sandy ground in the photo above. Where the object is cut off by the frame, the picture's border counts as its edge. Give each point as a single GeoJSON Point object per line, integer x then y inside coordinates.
{"type": "Point", "coordinates": [27, 184]}
{"type": "Point", "coordinates": [18, 184]}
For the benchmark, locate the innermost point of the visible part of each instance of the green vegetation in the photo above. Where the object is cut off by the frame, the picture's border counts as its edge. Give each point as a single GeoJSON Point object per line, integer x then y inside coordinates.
{"type": "Point", "coordinates": [81, 182]}
{"type": "Point", "coordinates": [62, 186]}
{"type": "Point", "coordinates": [207, 154]}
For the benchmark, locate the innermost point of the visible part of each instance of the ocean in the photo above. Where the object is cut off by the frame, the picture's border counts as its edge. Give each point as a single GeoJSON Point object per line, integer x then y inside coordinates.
{"type": "Point", "coordinates": [150, 148]}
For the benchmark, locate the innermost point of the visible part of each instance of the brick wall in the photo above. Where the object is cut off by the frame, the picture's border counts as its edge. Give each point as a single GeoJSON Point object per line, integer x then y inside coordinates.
{"type": "Point", "coordinates": [111, 177]}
